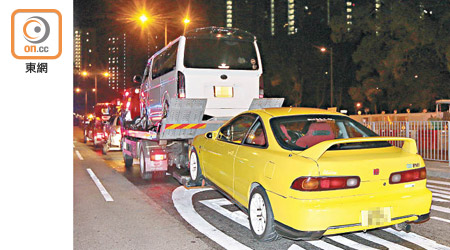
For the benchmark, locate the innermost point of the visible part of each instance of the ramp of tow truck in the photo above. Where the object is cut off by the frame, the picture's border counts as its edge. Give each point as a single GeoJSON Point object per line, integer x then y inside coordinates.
{"type": "Point", "coordinates": [184, 118]}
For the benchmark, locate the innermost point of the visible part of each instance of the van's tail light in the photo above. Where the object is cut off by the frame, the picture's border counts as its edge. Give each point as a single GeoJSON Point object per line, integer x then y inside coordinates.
{"type": "Point", "coordinates": [98, 135]}
{"type": "Point", "coordinates": [325, 183]}
{"type": "Point", "coordinates": [158, 155]}
{"type": "Point", "coordinates": [261, 87]}
{"type": "Point", "coordinates": [181, 85]}
{"type": "Point", "coordinates": [408, 176]}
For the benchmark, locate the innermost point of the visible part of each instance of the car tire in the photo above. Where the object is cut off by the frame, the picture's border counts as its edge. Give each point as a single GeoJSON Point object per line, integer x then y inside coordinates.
{"type": "Point", "coordinates": [144, 174]}
{"type": "Point", "coordinates": [195, 170]}
{"type": "Point", "coordinates": [126, 158]}
{"type": "Point", "coordinates": [260, 215]}
{"type": "Point", "coordinates": [165, 110]}
{"type": "Point", "coordinates": [105, 148]}
{"type": "Point", "coordinates": [85, 137]}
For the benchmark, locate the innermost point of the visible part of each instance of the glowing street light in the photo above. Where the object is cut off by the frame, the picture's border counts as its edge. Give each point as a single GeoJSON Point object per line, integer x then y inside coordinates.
{"type": "Point", "coordinates": [143, 18]}
{"type": "Point", "coordinates": [186, 21]}
{"type": "Point", "coordinates": [78, 90]}
{"type": "Point", "coordinates": [85, 74]}
{"type": "Point", "coordinates": [324, 50]}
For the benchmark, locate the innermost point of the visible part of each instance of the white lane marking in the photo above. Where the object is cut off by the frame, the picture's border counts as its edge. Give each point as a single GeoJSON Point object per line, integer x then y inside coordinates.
{"type": "Point", "coordinates": [439, 199]}
{"type": "Point", "coordinates": [237, 216]}
{"type": "Point", "coordinates": [436, 193]}
{"type": "Point", "coordinates": [323, 245]}
{"type": "Point", "coordinates": [182, 200]}
{"type": "Point", "coordinates": [439, 182]}
{"type": "Point", "coordinates": [440, 209]}
{"type": "Point", "coordinates": [99, 185]}
{"type": "Point", "coordinates": [441, 219]}
{"type": "Point", "coordinates": [386, 243]}
{"type": "Point", "coordinates": [79, 155]}
{"type": "Point", "coordinates": [438, 187]}
{"type": "Point", "coordinates": [417, 239]}
{"type": "Point", "coordinates": [350, 243]}
{"type": "Point", "coordinates": [295, 247]}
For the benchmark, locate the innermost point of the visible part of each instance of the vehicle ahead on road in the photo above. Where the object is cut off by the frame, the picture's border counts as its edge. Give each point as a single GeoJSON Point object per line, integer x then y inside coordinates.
{"type": "Point", "coordinates": [113, 134]}
{"type": "Point", "coordinates": [94, 130]}
{"type": "Point", "coordinates": [220, 64]}
{"type": "Point", "coordinates": [303, 173]}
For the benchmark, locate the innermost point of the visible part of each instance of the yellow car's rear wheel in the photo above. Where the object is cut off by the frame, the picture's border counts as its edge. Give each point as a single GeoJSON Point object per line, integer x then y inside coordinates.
{"type": "Point", "coordinates": [261, 217]}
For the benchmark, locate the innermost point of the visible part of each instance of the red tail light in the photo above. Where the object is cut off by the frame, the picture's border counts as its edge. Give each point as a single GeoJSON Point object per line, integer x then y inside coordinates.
{"type": "Point", "coordinates": [158, 155]}
{"type": "Point", "coordinates": [181, 85]}
{"type": "Point", "coordinates": [261, 87]}
{"type": "Point", "coordinates": [325, 183]}
{"type": "Point", "coordinates": [408, 176]}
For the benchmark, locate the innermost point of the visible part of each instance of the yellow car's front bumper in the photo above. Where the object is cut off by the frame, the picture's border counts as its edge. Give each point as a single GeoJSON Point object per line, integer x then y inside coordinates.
{"type": "Point", "coordinates": [310, 219]}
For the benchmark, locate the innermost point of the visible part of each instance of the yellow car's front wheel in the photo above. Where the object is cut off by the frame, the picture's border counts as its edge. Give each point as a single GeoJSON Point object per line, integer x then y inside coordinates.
{"type": "Point", "coordinates": [194, 168]}
{"type": "Point", "coordinates": [261, 216]}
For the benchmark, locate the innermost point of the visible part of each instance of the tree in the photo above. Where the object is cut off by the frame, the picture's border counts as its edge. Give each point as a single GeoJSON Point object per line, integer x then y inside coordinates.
{"type": "Point", "coordinates": [402, 53]}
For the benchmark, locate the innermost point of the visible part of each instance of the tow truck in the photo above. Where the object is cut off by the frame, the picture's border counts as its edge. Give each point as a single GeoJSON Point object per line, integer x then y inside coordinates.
{"type": "Point", "coordinates": [166, 147]}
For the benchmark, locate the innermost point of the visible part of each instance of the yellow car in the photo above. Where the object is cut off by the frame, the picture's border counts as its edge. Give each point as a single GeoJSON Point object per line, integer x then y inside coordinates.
{"type": "Point", "coordinates": [303, 173]}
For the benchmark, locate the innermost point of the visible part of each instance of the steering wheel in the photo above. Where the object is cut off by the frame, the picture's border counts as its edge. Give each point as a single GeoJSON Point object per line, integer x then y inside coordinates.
{"type": "Point", "coordinates": [295, 135]}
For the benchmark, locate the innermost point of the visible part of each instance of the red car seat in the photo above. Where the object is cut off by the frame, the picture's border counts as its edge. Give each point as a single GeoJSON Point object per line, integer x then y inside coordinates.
{"type": "Point", "coordinates": [318, 132]}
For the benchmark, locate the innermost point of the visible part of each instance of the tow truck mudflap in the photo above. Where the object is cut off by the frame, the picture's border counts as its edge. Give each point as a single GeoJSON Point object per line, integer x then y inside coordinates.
{"type": "Point", "coordinates": [184, 118]}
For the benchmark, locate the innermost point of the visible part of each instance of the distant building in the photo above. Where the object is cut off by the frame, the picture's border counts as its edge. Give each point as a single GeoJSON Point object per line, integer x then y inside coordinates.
{"type": "Point", "coordinates": [277, 17]}
{"type": "Point", "coordinates": [85, 50]}
{"type": "Point", "coordinates": [117, 61]}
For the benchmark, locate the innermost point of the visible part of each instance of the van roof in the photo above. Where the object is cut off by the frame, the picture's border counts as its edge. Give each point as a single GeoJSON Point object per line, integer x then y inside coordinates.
{"type": "Point", "coordinates": [213, 31]}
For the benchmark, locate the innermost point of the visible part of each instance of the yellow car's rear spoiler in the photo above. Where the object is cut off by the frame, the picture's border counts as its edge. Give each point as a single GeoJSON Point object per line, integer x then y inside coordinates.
{"type": "Point", "coordinates": [316, 151]}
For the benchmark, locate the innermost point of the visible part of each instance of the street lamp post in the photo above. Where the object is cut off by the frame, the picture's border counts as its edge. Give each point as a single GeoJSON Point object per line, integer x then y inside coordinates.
{"type": "Point", "coordinates": [144, 19]}
{"type": "Point", "coordinates": [323, 49]}
{"type": "Point", "coordinates": [85, 74]}
{"type": "Point", "coordinates": [78, 90]}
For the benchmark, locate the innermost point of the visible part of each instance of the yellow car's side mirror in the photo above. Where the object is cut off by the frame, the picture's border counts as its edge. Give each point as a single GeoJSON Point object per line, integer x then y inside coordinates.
{"type": "Point", "coordinates": [211, 135]}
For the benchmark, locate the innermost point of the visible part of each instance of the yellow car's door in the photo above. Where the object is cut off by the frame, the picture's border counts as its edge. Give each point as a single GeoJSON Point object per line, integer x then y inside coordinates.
{"type": "Point", "coordinates": [219, 153]}
{"type": "Point", "coordinates": [218, 161]}
{"type": "Point", "coordinates": [250, 161]}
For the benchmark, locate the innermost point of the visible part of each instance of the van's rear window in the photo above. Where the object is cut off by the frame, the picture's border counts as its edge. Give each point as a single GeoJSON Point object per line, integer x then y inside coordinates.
{"type": "Point", "coordinates": [220, 53]}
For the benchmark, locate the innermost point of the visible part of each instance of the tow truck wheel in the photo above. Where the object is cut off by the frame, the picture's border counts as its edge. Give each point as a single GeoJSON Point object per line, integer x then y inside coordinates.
{"type": "Point", "coordinates": [194, 168]}
{"type": "Point", "coordinates": [126, 158]}
{"type": "Point", "coordinates": [165, 109]}
{"type": "Point", "coordinates": [85, 137]}
{"type": "Point", "coordinates": [105, 148]}
{"type": "Point", "coordinates": [144, 174]}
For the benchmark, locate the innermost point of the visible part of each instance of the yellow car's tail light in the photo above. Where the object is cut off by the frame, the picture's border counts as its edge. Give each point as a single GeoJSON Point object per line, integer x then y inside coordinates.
{"type": "Point", "coordinates": [408, 176]}
{"type": "Point", "coordinates": [325, 183]}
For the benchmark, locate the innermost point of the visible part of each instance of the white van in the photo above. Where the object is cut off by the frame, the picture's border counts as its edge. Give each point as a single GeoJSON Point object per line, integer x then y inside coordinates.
{"type": "Point", "coordinates": [220, 64]}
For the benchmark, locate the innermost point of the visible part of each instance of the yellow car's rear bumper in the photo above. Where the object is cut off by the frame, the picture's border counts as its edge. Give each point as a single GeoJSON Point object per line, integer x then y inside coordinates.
{"type": "Point", "coordinates": [310, 219]}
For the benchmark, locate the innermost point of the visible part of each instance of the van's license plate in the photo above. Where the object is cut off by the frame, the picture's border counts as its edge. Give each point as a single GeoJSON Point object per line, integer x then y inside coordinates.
{"type": "Point", "coordinates": [220, 91]}
{"type": "Point", "coordinates": [376, 216]}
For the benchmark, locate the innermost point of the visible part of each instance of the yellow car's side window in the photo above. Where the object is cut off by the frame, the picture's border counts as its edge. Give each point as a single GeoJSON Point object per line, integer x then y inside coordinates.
{"type": "Point", "coordinates": [256, 136]}
{"type": "Point", "coordinates": [236, 130]}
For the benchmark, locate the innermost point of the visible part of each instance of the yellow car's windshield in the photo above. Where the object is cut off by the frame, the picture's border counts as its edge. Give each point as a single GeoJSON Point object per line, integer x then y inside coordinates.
{"type": "Point", "coordinates": [303, 131]}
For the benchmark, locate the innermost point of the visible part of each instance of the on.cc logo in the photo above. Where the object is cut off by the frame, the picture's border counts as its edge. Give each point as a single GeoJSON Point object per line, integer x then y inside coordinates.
{"type": "Point", "coordinates": [40, 28]}
{"type": "Point", "coordinates": [36, 34]}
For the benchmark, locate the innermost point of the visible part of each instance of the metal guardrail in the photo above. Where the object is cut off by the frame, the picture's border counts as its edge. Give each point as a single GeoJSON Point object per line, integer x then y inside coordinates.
{"type": "Point", "coordinates": [432, 137]}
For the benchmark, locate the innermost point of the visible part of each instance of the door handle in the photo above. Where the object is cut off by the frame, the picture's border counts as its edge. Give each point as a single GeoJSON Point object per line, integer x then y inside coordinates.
{"type": "Point", "coordinates": [230, 152]}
